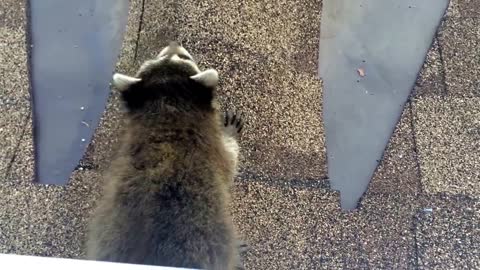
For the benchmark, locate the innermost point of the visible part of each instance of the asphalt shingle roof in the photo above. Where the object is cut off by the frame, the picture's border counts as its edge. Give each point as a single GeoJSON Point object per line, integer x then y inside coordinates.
{"type": "Point", "coordinates": [421, 209]}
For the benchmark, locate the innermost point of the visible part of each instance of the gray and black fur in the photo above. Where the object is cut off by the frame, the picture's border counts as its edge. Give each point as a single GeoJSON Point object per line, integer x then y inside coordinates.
{"type": "Point", "coordinates": [167, 192]}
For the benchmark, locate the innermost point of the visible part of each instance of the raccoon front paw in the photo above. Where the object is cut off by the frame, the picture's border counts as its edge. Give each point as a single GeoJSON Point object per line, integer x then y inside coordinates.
{"type": "Point", "coordinates": [233, 124]}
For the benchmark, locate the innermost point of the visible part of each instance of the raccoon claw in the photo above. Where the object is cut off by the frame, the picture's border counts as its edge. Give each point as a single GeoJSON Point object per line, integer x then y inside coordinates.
{"type": "Point", "coordinates": [242, 246]}
{"type": "Point", "coordinates": [233, 123]}
{"type": "Point", "coordinates": [240, 266]}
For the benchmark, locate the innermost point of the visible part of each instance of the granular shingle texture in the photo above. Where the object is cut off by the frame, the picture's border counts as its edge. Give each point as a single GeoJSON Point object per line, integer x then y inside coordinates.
{"type": "Point", "coordinates": [258, 72]}
{"type": "Point", "coordinates": [431, 80]}
{"type": "Point", "coordinates": [46, 220]}
{"type": "Point", "coordinates": [284, 226]}
{"type": "Point", "coordinates": [14, 86]}
{"type": "Point", "coordinates": [448, 137]}
{"type": "Point", "coordinates": [288, 29]}
{"type": "Point", "coordinates": [266, 54]}
{"type": "Point", "coordinates": [464, 8]}
{"type": "Point", "coordinates": [12, 14]}
{"type": "Point", "coordinates": [23, 159]}
{"type": "Point", "coordinates": [448, 233]}
{"type": "Point", "coordinates": [384, 230]}
{"type": "Point", "coordinates": [398, 170]}
{"type": "Point", "coordinates": [299, 227]}
{"type": "Point", "coordinates": [460, 40]}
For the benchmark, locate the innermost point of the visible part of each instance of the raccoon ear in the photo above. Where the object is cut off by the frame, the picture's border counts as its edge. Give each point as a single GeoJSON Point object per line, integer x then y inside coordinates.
{"type": "Point", "coordinates": [208, 78]}
{"type": "Point", "coordinates": [122, 82]}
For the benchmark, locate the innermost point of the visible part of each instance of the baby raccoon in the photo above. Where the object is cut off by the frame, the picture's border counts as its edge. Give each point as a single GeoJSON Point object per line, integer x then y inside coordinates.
{"type": "Point", "coordinates": [167, 192]}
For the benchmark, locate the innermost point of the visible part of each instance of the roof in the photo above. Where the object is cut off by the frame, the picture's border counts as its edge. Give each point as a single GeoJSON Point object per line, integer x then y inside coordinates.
{"type": "Point", "coordinates": [422, 207]}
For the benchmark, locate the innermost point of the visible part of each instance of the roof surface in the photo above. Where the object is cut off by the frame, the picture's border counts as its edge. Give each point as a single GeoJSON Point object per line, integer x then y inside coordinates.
{"type": "Point", "coordinates": [422, 209]}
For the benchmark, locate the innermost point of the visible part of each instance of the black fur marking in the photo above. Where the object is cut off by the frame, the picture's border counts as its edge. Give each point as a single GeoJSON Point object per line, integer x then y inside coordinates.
{"type": "Point", "coordinates": [171, 90]}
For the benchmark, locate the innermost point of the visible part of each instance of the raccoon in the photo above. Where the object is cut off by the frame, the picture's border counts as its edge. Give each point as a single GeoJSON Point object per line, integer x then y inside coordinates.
{"type": "Point", "coordinates": [167, 192]}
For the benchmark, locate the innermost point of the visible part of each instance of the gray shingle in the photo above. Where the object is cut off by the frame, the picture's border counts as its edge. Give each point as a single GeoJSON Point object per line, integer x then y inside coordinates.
{"type": "Point", "coordinates": [448, 138]}
{"type": "Point", "coordinates": [431, 80]}
{"type": "Point", "coordinates": [46, 220]}
{"type": "Point", "coordinates": [398, 171]}
{"type": "Point", "coordinates": [459, 41]}
{"type": "Point", "coordinates": [449, 236]}
{"type": "Point", "coordinates": [14, 85]}
{"type": "Point", "coordinates": [384, 228]}
{"type": "Point", "coordinates": [286, 227]}
{"type": "Point", "coordinates": [464, 8]}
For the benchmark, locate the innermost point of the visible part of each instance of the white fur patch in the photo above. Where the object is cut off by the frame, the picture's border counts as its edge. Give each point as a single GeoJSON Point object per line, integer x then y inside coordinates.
{"type": "Point", "coordinates": [178, 50]}
{"type": "Point", "coordinates": [185, 52]}
{"type": "Point", "coordinates": [122, 82]}
{"type": "Point", "coordinates": [174, 58]}
{"type": "Point", "coordinates": [164, 51]}
{"type": "Point", "coordinates": [208, 78]}
{"type": "Point", "coordinates": [232, 148]}
{"type": "Point", "coordinates": [177, 59]}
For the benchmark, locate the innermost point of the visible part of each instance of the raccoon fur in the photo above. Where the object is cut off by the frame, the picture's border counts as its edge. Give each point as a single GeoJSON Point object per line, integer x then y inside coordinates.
{"type": "Point", "coordinates": [167, 191]}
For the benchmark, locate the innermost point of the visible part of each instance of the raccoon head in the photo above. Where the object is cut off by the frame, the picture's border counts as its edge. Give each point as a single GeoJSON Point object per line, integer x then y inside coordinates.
{"type": "Point", "coordinates": [173, 76]}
